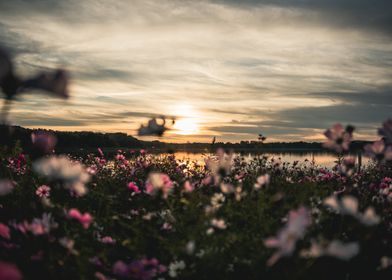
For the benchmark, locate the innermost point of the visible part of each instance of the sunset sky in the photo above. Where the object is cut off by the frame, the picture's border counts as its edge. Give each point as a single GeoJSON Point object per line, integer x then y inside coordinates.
{"type": "Point", "coordinates": [288, 69]}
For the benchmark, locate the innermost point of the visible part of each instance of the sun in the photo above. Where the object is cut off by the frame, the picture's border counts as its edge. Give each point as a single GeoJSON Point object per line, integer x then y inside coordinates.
{"type": "Point", "coordinates": [187, 122]}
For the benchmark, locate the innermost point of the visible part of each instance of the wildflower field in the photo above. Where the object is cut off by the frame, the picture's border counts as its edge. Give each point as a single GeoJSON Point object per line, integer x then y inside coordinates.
{"type": "Point", "coordinates": [143, 216]}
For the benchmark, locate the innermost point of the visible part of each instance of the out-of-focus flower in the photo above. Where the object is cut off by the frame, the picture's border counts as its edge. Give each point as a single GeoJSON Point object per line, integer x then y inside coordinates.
{"type": "Point", "coordinates": [107, 240]}
{"type": "Point", "coordinates": [287, 237]}
{"type": "Point", "coordinates": [6, 186]}
{"type": "Point", "coordinates": [188, 187]}
{"type": "Point", "coordinates": [175, 267]}
{"type": "Point", "coordinates": [44, 141]}
{"type": "Point", "coordinates": [133, 187]}
{"type": "Point", "coordinates": [159, 182]}
{"type": "Point", "coordinates": [85, 219]}
{"type": "Point", "coordinates": [217, 201]}
{"type": "Point", "coordinates": [379, 151]}
{"type": "Point", "coordinates": [143, 269]}
{"type": "Point", "coordinates": [9, 271]}
{"type": "Point", "coordinates": [190, 247]}
{"type": "Point", "coordinates": [72, 173]}
{"type": "Point", "coordinates": [68, 244]}
{"type": "Point", "coordinates": [220, 165]}
{"type": "Point", "coordinates": [5, 231]}
{"type": "Point", "coordinates": [348, 205]}
{"type": "Point", "coordinates": [262, 181]}
{"type": "Point", "coordinates": [337, 249]}
{"type": "Point", "coordinates": [386, 131]}
{"type": "Point", "coordinates": [153, 128]}
{"type": "Point", "coordinates": [43, 225]}
{"type": "Point", "coordinates": [385, 262]}
{"type": "Point", "coordinates": [219, 223]}
{"type": "Point", "coordinates": [338, 138]}
{"type": "Point", "coordinates": [43, 191]}
{"type": "Point", "coordinates": [226, 188]}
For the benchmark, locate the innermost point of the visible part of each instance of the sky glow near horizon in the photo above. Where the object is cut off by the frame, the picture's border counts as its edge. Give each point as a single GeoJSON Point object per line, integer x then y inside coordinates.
{"type": "Point", "coordinates": [221, 68]}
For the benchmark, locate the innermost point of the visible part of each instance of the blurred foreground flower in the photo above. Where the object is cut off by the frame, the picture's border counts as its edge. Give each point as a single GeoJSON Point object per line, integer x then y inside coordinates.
{"type": "Point", "coordinates": [153, 128]}
{"type": "Point", "coordinates": [159, 182]}
{"type": "Point", "coordinates": [379, 151]}
{"type": "Point", "coordinates": [287, 237]}
{"type": "Point", "coordinates": [143, 269]}
{"type": "Point", "coordinates": [9, 271]}
{"type": "Point", "coordinates": [72, 173]}
{"type": "Point", "coordinates": [6, 186]}
{"type": "Point", "coordinates": [348, 205]}
{"type": "Point", "coordinates": [338, 138]}
{"type": "Point", "coordinates": [336, 248]}
{"type": "Point", "coordinates": [85, 219]}
{"type": "Point", "coordinates": [262, 181]}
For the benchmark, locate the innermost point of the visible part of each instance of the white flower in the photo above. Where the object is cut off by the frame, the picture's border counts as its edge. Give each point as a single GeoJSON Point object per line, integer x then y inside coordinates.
{"type": "Point", "coordinates": [348, 205]}
{"type": "Point", "coordinates": [190, 247]}
{"type": "Point", "coordinates": [262, 181]}
{"type": "Point", "coordinates": [219, 223]}
{"type": "Point", "coordinates": [337, 249]}
{"type": "Point", "coordinates": [72, 173]}
{"type": "Point", "coordinates": [287, 237]}
{"type": "Point", "coordinates": [175, 267]}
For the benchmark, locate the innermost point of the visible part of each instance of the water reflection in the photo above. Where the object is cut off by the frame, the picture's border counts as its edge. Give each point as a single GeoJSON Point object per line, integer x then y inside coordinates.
{"type": "Point", "coordinates": [321, 159]}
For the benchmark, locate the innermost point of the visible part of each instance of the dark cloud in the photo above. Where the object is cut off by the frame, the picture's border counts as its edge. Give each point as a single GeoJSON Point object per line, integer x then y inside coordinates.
{"type": "Point", "coordinates": [363, 14]}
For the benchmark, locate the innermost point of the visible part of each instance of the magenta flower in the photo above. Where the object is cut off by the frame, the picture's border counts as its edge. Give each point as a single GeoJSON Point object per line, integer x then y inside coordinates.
{"type": "Point", "coordinates": [43, 191]}
{"type": "Point", "coordinates": [338, 138]}
{"type": "Point", "coordinates": [44, 141]}
{"type": "Point", "coordinates": [9, 271]}
{"type": "Point", "coordinates": [5, 231]}
{"type": "Point", "coordinates": [379, 151]}
{"type": "Point", "coordinates": [85, 219]}
{"type": "Point", "coordinates": [133, 187]}
{"type": "Point", "coordinates": [107, 240]}
{"type": "Point", "coordinates": [18, 164]}
{"type": "Point", "coordinates": [143, 269]}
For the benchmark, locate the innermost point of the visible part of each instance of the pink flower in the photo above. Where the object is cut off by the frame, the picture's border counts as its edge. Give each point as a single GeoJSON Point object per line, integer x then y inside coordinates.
{"type": "Point", "coordinates": [44, 141]}
{"type": "Point", "coordinates": [85, 219]}
{"type": "Point", "coordinates": [100, 152]}
{"type": "Point", "coordinates": [379, 151]}
{"type": "Point", "coordinates": [188, 187]}
{"type": "Point", "coordinates": [159, 182]}
{"type": "Point", "coordinates": [5, 231]}
{"type": "Point", "coordinates": [6, 186]}
{"type": "Point", "coordinates": [9, 271]}
{"type": "Point", "coordinates": [107, 240]}
{"type": "Point", "coordinates": [43, 191]}
{"type": "Point", "coordinates": [386, 131]}
{"type": "Point", "coordinates": [287, 237]}
{"type": "Point", "coordinates": [133, 187]}
{"type": "Point", "coordinates": [18, 164]}
{"type": "Point", "coordinates": [338, 138]}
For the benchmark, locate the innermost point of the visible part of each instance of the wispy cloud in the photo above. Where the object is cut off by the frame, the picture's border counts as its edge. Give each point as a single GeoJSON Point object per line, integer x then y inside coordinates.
{"type": "Point", "coordinates": [287, 69]}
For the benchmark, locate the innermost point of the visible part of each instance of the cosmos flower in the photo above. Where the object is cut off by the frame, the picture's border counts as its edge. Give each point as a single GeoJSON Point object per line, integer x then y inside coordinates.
{"type": "Point", "coordinates": [44, 141]}
{"type": "Point", "coordinates": [348, 205]}
{"type": "Point", "coordinates": [44, 225]}
{"type": "Point", "coordinates": [107, 240]}
{"type": "Point", "coordinates": [133, 187]}
{"type": "Point", "coordinates": [5, 231]}
{"type": "Point", "coordinates": [17, 164]}
{"type": "Point", "coordinates": [338, 138]}
{"type": "Point", "coordinates": [43, 191]}
{"type": "Point", "coordinates": [175, 267]}
{"type": "Point", "coordinates": [143, 269]}
{"type": "Point", "coordinates": [262, 181]}
{"type": "Point", "coordinates": [337, 249]}
{"type": "Point", "coordinates": [220, 165]}
{"type": "Point", "coordinates": [379, 151]}
{"type": "Point", "coordinates": [288, 236]}
{"type": "Point", "coordinates": [153, 128]}
{"type": "Point", "coordinates": [159, 182]}
{"type": "Point", "coordinates": [72, 173]}
{"type": "Point", "coordinates": [9, 271]}
{"type": "Point", "coordinates": [6, 186]}
{"type": "Point", "coordinates": [219, 223]}
{"type": "Point", "coordinates": [188, 187]}
{"type": "Point", "coordinates": [386, 131]}
{"type": "Point", "coordinates": [85, 219]}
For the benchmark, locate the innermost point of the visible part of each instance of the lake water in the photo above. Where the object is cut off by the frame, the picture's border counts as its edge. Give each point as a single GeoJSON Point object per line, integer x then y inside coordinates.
{"type": "Point", "coordinates": [321, 159]}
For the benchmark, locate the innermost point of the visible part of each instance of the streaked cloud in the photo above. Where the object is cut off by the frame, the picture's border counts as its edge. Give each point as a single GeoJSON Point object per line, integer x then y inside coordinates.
{"type": "Point", "coordinates": [289, 68]}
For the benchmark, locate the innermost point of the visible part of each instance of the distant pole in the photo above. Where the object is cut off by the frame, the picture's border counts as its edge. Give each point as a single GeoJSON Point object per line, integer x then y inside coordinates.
{"type": "Point", "coordinates": [359, 161]}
